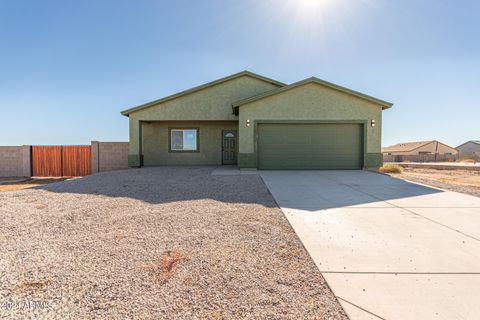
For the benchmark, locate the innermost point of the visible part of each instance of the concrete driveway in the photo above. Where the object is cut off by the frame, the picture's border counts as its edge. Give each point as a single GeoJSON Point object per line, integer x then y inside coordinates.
{"type": "Point", "coordinates": [389, 249]}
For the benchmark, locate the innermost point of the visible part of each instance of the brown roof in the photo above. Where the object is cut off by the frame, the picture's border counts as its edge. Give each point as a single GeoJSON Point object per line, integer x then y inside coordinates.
{"type": "Point", "coordinates": [406, 146]}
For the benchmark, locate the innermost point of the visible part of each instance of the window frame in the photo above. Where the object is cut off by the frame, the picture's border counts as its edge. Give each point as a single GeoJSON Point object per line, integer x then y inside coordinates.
{"type": "Point", "coordinates": [170, 150]}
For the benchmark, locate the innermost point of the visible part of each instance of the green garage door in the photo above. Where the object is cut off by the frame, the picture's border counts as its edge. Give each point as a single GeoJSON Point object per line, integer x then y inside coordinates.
{"type": "Point", "coordinates": [310, 146]}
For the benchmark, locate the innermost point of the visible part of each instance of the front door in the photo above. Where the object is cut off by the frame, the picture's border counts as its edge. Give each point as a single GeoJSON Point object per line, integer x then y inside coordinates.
{"type": "Point", "coordinates": [229, 147]}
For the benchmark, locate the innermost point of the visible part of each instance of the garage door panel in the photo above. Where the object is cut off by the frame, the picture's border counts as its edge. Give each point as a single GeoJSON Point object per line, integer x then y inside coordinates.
{"type": "Point", "coordinates": [310, 146]}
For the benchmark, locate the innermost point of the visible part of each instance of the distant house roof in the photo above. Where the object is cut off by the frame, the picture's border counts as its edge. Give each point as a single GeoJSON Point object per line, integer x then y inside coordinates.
{"type": "Point", "coordinates": [406, 146]}
{"type": "Point", "coordinates": [201, 87]}
{"type": "Point", "coordinates": [473, 141]}
{"type": "Point", "coordinates": [382, 103]}
{"type": "Point", "coordinates": [410, 146]}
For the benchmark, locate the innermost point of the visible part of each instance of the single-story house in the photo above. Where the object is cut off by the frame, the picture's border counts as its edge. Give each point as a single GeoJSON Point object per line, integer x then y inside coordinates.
{"type": "Point", "coordinates": [419, 148]}
{"type": "Point", "coordinates": [256, 122]}
{"type": "Point", "coordinates": [469, 149]}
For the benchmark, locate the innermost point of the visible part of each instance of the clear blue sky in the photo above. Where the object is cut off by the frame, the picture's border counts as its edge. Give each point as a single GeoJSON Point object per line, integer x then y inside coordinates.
{"type": "Point", "coordinates": [67, 68]}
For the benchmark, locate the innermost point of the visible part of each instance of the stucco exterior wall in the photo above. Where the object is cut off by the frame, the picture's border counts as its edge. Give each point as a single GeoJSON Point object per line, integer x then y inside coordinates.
{"type": "Point", "coordinates": [210, 104]}
{"type": "Point", "coordinates": [308, 103]}
{"type": "Point", "coordinates": [15, 161]}
{"type": "Point", "coordinates": [156, 143]}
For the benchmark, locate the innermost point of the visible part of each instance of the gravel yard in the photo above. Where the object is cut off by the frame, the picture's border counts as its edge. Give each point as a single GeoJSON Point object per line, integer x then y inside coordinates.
{"type": "Point", "coordinates": [462, 181]}
{"type": "Point", "coordinates": [9, 184]}
{"type": "Point", "coordinates": [155, 243]}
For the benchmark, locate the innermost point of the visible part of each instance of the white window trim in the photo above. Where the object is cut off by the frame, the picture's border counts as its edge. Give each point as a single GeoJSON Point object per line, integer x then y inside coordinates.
{"type": "Point", "coordinates": [197, 145]}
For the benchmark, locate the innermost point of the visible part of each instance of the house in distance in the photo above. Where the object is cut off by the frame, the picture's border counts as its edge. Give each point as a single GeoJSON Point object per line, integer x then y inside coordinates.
{"type": "Point", "coordinates": [470, 149]}
{"type": "Point", "coordinates": [420, 151]}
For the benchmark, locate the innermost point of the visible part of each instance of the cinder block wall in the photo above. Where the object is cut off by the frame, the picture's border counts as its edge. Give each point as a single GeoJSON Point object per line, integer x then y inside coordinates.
{"type": "Point", "coordinates": [107, 156]}
{"type": "Point", "coordinates": [15, 161]}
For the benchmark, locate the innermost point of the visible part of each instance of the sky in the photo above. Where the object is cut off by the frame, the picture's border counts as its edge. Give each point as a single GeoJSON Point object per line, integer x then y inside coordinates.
{"type": "Point", "coordinates": [67, 68]}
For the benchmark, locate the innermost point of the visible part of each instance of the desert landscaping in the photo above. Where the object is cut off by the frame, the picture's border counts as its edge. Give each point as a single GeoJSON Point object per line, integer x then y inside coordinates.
{"type": "Point", "coordinates": [156, 243]}
{"type": "Point", "coordinates": [463, 181]}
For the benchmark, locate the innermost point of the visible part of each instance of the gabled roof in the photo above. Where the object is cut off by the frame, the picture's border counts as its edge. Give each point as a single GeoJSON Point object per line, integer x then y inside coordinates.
{"type": "Point", "coordinates": [384, 104]}
{"type": "Point", "coordinates": [406, 146]}
{"type": "Point", "coordinates": [473, 141]}
{"type": "Point", "coordinates": [201, 87]}
{"type": "Point", "coordinates": [410, 146]}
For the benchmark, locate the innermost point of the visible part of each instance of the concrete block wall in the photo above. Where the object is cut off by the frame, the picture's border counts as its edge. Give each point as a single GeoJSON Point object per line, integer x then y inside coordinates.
{"type": "Point", "coordinates": [15, 161]}
{"type": "Point", "coordinates": [107, 156]}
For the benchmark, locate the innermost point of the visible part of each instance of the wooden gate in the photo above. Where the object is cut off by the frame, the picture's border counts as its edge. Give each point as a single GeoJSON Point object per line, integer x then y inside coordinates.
{"type": "Point", "coordinates": [46, 161]}
{"type": "Point", "coordinates": [59, 161]}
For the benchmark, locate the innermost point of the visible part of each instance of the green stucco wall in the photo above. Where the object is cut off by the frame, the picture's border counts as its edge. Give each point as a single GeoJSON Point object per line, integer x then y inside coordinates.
{"type": "Point", "coordinates": [156, 143]}
{"type": "Point", "coordinates": [210, 104]}
{"type": "Point", "coordinates": [310, 102]}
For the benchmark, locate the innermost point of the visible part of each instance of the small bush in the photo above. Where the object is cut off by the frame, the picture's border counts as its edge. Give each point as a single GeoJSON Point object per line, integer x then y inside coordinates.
{"type": "Point", "coordinates": [391, 168]}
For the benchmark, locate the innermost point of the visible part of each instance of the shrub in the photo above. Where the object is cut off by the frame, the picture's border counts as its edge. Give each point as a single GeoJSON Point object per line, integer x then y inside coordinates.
{"type": "Point", "coordinates": [391, 168]}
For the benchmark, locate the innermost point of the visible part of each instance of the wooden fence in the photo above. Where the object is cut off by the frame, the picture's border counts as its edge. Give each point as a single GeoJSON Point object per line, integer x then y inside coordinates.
{"type": "Point", "coordinates": [59, 161]}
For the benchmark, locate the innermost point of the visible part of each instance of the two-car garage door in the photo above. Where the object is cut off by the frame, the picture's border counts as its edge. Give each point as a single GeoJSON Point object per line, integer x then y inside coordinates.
{"type": "Point", "coordinates": [310, 146]}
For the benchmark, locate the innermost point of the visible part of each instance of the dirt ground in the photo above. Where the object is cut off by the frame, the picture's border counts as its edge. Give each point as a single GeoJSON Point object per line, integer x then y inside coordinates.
{"type": "Point", "coordinates": [10, 184]}
{"type": "Point", "coordinates": [455, 180]}
{"type": "Point", "coordinates": [155, 243]}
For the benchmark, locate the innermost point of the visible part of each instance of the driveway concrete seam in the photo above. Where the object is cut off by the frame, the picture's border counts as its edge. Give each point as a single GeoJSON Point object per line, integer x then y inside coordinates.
{"type": "Point", "coordinates": [406, 209]}
{"type": "Point", "coordinates": [439, 223]}
{"type": "Point", "coordinates": [358, 307]}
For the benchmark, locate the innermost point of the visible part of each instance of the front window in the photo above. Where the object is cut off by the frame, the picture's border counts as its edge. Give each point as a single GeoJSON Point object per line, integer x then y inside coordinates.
{"type": "Point", "coordinates": [184, 139]}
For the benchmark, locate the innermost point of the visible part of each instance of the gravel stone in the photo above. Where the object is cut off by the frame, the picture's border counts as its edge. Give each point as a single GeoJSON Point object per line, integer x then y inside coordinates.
{"type": "Point", "coordinates": [462, 181]}
{"type": "Point", "coordinates": [155, 243]}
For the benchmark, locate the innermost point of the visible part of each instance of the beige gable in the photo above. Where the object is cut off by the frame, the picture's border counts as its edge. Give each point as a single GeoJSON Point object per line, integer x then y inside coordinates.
{"type": "Point", "coordinates": [420, 147]}
{"type": "Point", "coordinates": [212, 103]}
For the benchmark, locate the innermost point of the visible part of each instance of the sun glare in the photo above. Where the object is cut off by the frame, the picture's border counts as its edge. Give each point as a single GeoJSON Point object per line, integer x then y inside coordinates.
{"type": "Point", "coordinates": [314, 26]}
{"type": "Point", "coordinates": [311, 5]}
